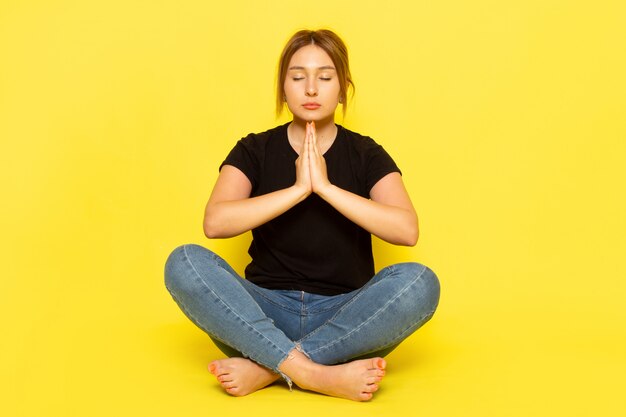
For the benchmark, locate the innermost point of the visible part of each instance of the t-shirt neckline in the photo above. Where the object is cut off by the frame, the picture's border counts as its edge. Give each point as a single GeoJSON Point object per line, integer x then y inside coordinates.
{"type": "Point", "coordinates": [293, 151]}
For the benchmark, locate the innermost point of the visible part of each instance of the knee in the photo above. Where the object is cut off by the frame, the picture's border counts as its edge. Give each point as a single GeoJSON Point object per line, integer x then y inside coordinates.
{"type": "Point", "coordinates": [427, 287]}
{"type": "Point", "coordinates": [432, 287]}
{"type": "Point", "coordinates": [178, 265]}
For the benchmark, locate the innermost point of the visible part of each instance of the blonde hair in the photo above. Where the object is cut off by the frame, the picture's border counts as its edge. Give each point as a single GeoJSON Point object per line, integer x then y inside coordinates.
{"type": "Point", "coordinates": [332, 45]}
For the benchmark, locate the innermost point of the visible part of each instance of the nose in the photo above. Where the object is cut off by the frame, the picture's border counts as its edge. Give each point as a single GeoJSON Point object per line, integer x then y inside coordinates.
{"type": "Point", "coordinates": [311, 89]}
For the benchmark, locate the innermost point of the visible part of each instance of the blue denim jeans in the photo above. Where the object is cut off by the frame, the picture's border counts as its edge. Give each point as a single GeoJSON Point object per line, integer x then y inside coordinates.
{"type": "Point", "coordinates": [264, 325]}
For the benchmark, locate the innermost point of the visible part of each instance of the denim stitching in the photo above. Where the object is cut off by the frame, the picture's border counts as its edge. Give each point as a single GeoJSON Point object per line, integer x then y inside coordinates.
{"type": "Point", "coordinates": [269, 300]}
{"type": "Point", "coordinates": [410, 329]}
{"type": "Point", "coordinates": [325, 309]}
{"type": "Point", "coordinates": [218, 260]}
{"type": "Point", "coordinates": [390, 270]}
{"type": "Point", "coordinates": [230, 309]}
{"type": "Point", "coordinates": [384, 307]}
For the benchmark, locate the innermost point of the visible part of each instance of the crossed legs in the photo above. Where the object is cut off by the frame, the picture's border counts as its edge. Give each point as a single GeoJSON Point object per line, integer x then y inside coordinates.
{"type": "Point", "coordinates": [371, 320]}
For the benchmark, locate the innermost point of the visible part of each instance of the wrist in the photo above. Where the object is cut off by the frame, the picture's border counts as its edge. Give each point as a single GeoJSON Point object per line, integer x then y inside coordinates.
{"type": "Point", "coordinates": [324, 190]}
{"type": "Point", "coordinates": [302, 191]}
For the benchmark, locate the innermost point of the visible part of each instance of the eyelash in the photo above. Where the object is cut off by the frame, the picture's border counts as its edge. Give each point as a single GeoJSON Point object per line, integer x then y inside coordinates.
{"type": "Point", "coordinates": [321, 78]}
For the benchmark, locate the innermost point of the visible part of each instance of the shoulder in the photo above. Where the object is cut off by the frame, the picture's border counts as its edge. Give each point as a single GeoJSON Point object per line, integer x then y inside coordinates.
{"type": "Point", "coordinates": [372, 157]}
{"type": "Point", "coordinates": [249, 151]}
{"type": "Point", "coordinates": [360, 144]}
{"type": "Point", "coordinates": [260, 139]}
{"type": "Point", "coordinates": [355, 139]}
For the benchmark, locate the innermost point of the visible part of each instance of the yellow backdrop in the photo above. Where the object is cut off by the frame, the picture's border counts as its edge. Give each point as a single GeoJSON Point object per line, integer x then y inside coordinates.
{"type": "Point", "coordinates": [506, 117]}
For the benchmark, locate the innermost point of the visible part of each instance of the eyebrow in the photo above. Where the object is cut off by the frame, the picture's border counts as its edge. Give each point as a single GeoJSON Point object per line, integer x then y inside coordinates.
{"type": "Point", "coordinates": [325, 67]}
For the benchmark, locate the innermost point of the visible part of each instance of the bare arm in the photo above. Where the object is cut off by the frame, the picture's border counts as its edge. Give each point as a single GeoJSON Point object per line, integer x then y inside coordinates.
{"type": "Point", "coordinates": [389, 214]}
{"type": "Point", "coordinates": [230, 211]}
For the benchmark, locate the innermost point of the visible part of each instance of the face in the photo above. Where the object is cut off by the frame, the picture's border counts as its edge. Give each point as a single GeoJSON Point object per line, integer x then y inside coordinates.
{"type": "Point", "coordinates": [311, 86]}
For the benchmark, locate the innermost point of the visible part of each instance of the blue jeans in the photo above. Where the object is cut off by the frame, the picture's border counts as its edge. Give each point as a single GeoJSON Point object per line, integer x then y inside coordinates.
{"type": "Point", "coordinates": [264, 325]}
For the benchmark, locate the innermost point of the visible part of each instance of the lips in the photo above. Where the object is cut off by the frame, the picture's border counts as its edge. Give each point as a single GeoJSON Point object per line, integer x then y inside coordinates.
{"type": "Point", "coordinates": [311, 106]}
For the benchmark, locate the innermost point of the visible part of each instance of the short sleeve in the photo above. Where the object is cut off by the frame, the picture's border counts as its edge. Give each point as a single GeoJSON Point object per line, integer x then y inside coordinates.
{"type": "Point", "coordinates": [244, 156]}
{"type": "Point", "coordinates": [379, 164]}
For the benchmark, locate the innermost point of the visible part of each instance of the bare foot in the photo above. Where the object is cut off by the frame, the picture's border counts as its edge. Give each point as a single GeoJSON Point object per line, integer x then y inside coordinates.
{"type": "Point", "coordinates": [356, 380]}
{"type": "Point", "coordinates": [240, 376]}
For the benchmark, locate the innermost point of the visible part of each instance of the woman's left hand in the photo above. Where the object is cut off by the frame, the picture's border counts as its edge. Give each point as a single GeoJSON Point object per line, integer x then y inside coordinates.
{"type": "Point", "coordinates": [317, 163]}
{"type": "Point", "coordinates": [388, 214]}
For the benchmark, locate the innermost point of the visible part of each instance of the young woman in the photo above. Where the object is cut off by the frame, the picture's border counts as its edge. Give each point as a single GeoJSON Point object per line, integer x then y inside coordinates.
{"type": "Point", "coordinates": [311, 310]}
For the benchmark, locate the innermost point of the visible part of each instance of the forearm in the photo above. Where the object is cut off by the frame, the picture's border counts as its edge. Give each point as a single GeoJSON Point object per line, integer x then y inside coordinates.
{"type": "Point", "coordinates": [393, 224]}
{"type": "Point", "coordinates": [231, 218]}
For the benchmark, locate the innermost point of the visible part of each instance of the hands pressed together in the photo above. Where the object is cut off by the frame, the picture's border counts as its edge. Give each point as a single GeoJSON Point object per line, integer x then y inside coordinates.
{"type": "Point", "coordinates": [311, 172]}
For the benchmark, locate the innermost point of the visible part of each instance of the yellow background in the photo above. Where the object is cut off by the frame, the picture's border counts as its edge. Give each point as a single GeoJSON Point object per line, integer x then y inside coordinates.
{"type": "Point", "coordinates": [506, 117]}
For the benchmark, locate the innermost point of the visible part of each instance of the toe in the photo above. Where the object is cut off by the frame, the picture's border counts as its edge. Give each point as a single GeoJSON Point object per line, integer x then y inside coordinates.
{"type": "Point", "coordinates": [228, 385]}
{"type": "Point", "coordinates": [375, 373]}
{"type": "Point", "coordinates": [212, 367]}
{"type": "Point", "coordinates": [371, 388]}
{"type": "Point", "coordinates": [233, 391]}
{"type": "Point", "coordinates": [366, 396]}
{"type": "Point", "coordinates": [222, 371]}
{"type": "Point", "coordinates": [217, 368]}
{"type": "Point", "coordinates": [377, 363]}
{"type": "Point", "coordinates": [373, 379]}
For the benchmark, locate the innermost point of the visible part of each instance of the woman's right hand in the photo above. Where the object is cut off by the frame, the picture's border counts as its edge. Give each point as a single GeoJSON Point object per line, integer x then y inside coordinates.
{"type": "Point", "coordinates": [303, 172]}
{"type": "Point", "coordinates": [231, 210]}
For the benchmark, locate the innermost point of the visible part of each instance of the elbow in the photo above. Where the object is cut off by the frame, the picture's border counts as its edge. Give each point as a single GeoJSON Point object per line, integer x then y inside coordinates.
{"type": "Point", "coordinates": [405, 234]}
{"type": "Point", "coordinates": [412, 242]}
{"type": "Point", "coordinates": [209, 231]}
{"type": "Point", "coordinates": [211, 228]}
{"type": "Point", "coordinates": [411, 235]}
{"type": "Point", "coordinates": [405, 238]}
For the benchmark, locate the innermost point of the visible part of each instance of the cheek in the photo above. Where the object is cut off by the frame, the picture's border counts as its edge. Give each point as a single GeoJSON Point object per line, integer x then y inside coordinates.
{"type": "Point", "coordinates": [289, 89]}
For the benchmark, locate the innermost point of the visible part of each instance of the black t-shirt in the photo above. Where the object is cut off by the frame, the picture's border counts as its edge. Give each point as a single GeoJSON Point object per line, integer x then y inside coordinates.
{"type": "Point", "coordinates": [311, 247]}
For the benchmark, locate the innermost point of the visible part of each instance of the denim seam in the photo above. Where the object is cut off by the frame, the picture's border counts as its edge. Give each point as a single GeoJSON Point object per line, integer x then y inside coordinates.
{"type": "Point", "coordinates": [269, 300]}
{"type": "Point", "coordinates": [349, 302]}
{"type": "Point", "coordinates": [234, 312]}
{"type": "Point", "coordinates": [384, 307]}
{"type": "Point", "coordinates": [401, 336]}
{"type": "Point", "coordinates": [193, 317]}
{"type": "Point", "coordinates": [325, 309]}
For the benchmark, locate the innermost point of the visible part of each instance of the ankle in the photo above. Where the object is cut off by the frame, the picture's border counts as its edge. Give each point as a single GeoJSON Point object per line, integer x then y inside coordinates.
{"type": "Point", "coordinates": [300, 369]}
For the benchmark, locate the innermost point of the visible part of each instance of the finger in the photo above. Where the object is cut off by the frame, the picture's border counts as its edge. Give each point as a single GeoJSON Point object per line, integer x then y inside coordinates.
{"type": "Point", "coordinates": [314, 139]}
{"type": "Point", "coordinates": [312, 147]}
{"type": "Point", "coordinates": [306, 135]}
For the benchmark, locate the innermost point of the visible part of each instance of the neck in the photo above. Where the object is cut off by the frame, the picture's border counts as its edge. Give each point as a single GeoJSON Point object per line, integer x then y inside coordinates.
{"type": "Point", "coordinates": [326, 131]}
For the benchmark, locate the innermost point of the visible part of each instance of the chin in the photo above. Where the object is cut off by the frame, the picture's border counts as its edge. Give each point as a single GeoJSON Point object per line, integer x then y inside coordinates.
{"type": "Point", "coordinates": [315, 117]}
